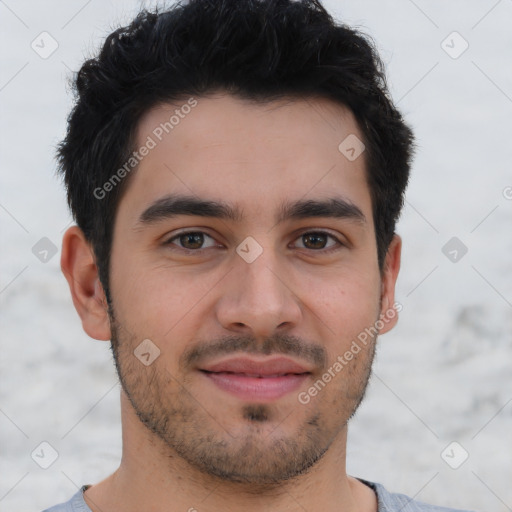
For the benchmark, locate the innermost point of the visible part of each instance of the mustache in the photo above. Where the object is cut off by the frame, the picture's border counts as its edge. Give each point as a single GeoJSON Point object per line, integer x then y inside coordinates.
{"type": "Point", "coordinates": [278, 344]}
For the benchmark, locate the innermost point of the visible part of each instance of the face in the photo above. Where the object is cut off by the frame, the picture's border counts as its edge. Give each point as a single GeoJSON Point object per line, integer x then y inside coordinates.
{"type": "Point", "coordinates": [244, 251]}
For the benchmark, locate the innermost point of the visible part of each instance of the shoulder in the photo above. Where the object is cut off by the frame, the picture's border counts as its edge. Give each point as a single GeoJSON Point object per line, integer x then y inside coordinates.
{"type": "Point", "coordinates": [75, 504]}
{"type": "Point", "coordinates": [394, 502]}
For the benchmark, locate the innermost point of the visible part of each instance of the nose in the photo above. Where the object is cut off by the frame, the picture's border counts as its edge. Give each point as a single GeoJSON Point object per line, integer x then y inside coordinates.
{"type": "Point", "coordinates": [259, 299]}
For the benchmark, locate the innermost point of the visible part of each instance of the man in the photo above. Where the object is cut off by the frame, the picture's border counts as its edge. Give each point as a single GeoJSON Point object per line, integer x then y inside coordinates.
{"type": "Point", "coordinates": [236, 169]}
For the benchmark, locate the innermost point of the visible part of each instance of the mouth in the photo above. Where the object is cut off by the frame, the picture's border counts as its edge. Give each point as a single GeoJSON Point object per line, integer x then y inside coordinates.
{"type": "Point", "coordinates": [253, 380]}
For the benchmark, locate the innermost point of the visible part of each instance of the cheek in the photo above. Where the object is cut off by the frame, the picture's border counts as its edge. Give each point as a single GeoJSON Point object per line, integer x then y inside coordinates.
{"type": "Point", "coordinates": [345, 299]}
{"type": "Point", "coordinates": [347, 311]}
{"type": "Point", "coordinates": [157, 301]}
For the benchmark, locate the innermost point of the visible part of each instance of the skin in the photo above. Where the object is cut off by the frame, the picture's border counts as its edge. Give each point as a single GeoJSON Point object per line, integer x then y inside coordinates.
{"type": "Point", "coordinates": [203, 448]}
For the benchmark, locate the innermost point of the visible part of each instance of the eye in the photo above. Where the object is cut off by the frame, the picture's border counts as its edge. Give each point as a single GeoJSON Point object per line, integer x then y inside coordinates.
{"type": "Point", "coordinates": [191, 241]}
{"type": "Point", "coordinates": [317, 240]}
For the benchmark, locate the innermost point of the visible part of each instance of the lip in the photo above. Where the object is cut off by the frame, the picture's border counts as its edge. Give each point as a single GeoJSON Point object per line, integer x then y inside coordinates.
{"type": "Point", "coordinates": [259, 367]}
{"type": "Point", "coordinates": [253, 380]}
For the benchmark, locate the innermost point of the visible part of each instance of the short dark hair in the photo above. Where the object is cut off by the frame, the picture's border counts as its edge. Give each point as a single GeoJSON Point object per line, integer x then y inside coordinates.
{"type": "Point", "coordinates": [258, 50]}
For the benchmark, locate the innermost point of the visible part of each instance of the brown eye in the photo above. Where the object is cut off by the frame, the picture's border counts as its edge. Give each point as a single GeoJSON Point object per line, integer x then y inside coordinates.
{"type": "Point", "coordinates": [315, 240]}
{"type": "Point", "coordinates": [190, 241]}
{"type": "Point", "coordinates": [318, 240]}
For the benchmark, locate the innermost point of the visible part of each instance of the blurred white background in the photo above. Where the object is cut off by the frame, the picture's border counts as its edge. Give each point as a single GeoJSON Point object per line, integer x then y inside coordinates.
{"type": "Point", "coordinates": [442, 375]}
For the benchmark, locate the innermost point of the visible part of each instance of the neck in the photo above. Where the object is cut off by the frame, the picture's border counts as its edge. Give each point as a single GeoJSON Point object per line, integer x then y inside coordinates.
{"type": "Point", "coordinates": [152, 477]}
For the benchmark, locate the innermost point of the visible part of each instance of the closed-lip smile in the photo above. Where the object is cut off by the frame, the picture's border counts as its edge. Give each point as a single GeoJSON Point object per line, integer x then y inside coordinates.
{"type": "Point", "coordinates": [261, 380]}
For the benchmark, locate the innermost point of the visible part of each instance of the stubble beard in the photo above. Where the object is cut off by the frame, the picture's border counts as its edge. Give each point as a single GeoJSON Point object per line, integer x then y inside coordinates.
{"type": "Point", "coordinates": [186, 428]}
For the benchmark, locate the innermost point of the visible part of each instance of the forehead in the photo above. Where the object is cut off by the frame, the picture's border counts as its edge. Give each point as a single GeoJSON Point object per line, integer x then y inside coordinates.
{"type": "Point", "coordinates": [256, 154]}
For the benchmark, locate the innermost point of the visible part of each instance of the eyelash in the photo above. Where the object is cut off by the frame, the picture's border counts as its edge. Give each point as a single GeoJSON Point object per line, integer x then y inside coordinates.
{"type": "Point", "coordinates": [337, 247]}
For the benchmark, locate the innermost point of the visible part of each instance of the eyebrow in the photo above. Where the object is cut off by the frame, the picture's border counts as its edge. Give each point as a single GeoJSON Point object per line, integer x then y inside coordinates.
{"type": "Point", "coordinates": [174, 205]}
{"type": "Point", "coordinates": [337, 208]}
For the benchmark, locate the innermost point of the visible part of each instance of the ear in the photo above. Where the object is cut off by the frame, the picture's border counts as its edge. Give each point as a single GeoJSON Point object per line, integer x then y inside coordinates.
{"type": "Point", "coordinates": [79, 267]}
{"type": "Point", "coordinates": [388, 313]}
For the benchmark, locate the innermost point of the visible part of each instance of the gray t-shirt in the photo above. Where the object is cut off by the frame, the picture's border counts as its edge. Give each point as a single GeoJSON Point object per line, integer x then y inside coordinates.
{"type": "Point", "coordinates": [387, 502]}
